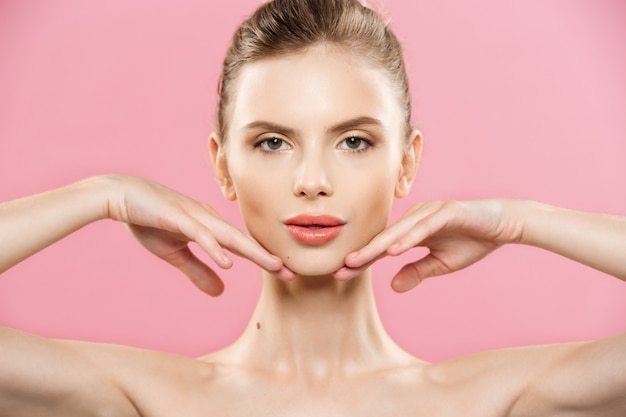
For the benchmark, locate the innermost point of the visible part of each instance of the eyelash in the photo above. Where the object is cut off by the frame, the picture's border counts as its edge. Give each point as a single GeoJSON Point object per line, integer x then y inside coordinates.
{"type": "Point", "coordinates": [368, 143]}
{"type": "Point", "coordinates": [262, 144]}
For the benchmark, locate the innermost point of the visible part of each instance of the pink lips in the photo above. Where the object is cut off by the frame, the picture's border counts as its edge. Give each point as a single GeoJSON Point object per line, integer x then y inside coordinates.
{"type": "Point", "coordinates": [314, 229]}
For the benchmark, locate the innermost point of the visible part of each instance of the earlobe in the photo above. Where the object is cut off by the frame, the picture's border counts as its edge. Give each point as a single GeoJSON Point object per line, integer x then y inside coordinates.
{"type": "Point", "coordinates": [410, 163]}
{"type": "Point", "coordinates": [218, 158]}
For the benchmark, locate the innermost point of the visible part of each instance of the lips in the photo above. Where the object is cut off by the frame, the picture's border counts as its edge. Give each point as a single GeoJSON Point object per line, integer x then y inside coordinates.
{"type": "Point", "coordinates": [314, 229]}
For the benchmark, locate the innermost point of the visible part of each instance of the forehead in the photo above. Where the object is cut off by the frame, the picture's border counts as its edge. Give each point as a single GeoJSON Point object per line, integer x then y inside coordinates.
{"type": "Point", "coordinates": [320, 86]}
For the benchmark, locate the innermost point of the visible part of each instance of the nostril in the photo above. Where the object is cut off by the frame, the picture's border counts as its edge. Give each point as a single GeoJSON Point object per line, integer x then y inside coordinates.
{"type": "Point", "coordinates": [312, 189]}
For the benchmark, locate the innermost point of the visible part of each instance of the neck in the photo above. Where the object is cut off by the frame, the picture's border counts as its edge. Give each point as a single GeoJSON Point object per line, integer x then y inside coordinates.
{"type": "Point", "coordinates": [317, 327]}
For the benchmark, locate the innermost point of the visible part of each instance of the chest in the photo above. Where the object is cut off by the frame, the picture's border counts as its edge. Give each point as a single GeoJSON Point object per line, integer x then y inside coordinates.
{"type": "Point", "coordinates": [265, 398]}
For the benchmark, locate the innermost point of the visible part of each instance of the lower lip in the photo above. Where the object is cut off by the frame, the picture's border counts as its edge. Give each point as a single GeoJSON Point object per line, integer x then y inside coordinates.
{"type": "Point", "coordinates": [312, 236]}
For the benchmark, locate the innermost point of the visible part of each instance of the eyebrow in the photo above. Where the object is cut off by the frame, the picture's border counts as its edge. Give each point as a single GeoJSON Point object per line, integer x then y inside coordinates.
{"type": "Point", "coordinates": [342, 126]}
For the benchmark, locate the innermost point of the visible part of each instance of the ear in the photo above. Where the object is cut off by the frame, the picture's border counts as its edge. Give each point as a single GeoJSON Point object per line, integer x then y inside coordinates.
{"type": "Point", "coordinates": [217, 152]}
{"type": "Point", "coordinates": [410, 163]}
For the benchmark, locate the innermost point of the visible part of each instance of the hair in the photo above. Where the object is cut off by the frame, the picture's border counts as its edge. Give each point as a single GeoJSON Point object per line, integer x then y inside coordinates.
{"type": "Point", "coordinates": [283, 27]}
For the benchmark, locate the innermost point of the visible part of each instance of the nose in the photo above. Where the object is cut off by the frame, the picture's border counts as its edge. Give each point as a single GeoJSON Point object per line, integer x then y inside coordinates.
{"type": "Point", "coordinates": [312, 179]}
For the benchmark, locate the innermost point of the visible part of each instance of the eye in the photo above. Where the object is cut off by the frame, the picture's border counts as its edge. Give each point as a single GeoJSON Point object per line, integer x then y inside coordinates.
{"type": "Point", "coordinates": [272, 145]}
{"type": "Point", "coordinates": [355, 144]}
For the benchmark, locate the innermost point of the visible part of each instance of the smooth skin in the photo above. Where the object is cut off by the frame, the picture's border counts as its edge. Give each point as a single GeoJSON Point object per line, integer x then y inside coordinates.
{"type": "Point", "coordinates": [319, 347]}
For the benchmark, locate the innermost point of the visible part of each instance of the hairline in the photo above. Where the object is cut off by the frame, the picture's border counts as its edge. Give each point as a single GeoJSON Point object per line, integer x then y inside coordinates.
{"type": "Point", "coordinates": [336, 47]}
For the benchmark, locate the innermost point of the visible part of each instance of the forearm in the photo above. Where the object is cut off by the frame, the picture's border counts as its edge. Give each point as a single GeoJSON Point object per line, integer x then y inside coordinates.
{"type": "Point", "coordinates": [29, 224]}
{"type": "Point", "coordinates": [596, 240]}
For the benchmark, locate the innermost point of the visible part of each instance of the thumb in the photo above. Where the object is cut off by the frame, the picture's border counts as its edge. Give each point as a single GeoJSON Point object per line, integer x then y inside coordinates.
{"type": "Point", "coordinates": [410, 275]}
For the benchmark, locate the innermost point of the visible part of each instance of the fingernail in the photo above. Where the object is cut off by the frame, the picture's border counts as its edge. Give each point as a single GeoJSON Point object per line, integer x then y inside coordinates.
{"type": "Point", "coordinates": [353, 255]}
{"type": "Point", "coordinates": [286, 274]}
{"type": "Point", "coordinates": [352, 260]}
{"type": "Point", "coordinates": [397, 287]}
{"type": "Point", "coordinates": [395, 248]}
{"type": "Point", "coordinates": [342, 274]}
{"type": "Point", "coordinates": [274, 265]}
{"type": "Point", "coordinates": [275, 262]}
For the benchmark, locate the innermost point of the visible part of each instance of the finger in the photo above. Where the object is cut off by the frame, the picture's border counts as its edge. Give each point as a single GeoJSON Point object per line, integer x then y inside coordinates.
{"type": "Point", "coordinates": [347, 273]}
{"type": "Point", "coordinates": [406, 279]}
{"type": "Point", "coordinates": [390, 240]}
{"type": "Point", "coordinates": [421, 230]}
{"type": "Point", "coordinates": [412, 274]}
{"type": "Point", "coordinates": [197, 271]}
{"type": "Point", "coordinates": [197, 232]}
{"type": "Point", "coordinates": [217, 235]}
{"type": "Point", "coordinates": [245, 246]}
{"type": "Point", "coordinates": [403, 235]}
{"type": "Point", "coordinates": [285, 274]}
{"type": "Point", "coordinates": [377, 247]}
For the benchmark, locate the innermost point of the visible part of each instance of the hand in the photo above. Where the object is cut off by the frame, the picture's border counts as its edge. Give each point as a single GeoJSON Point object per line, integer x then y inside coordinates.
{"type": "Point", "coordinates": [165, 221]}
{"type": "Point", "coordinates": [456, 233]}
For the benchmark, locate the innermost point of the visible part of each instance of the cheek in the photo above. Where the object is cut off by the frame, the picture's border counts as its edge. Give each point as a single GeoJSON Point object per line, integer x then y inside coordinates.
{"type": "Point", "coordinates": [363, 192]}
{"type": "Point", "coordinates": [371, 204]}
{"type": "Point", "coordinates": [375, 208]}
{"type": "Point", "coordinates": [258, 195]}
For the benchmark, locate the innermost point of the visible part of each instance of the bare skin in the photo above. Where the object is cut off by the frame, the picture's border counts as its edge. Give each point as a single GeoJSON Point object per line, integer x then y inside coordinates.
{"type": "Point", "coordinates": [315, 344]}
{"type": "Point", "coordinates": [319, 347]}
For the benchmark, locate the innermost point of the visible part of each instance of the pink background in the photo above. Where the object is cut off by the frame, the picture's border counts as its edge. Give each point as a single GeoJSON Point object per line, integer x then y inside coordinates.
{"type": "Point", "coordinates": [521, 99]}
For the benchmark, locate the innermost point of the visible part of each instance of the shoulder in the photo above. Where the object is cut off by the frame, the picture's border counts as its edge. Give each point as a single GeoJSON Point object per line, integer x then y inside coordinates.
{"type": "Point", "coordinates": [587, 378]}
{"type": "Point", "coordinates": [39, 374]}
{"type": "Point", "coordinates": [154, 383]}
{"type": "Point", "coordinates": [498, 380]}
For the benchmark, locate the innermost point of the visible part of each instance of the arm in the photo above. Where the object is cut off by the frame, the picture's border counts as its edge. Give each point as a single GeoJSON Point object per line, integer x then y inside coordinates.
{"type": "Point", "coordinates": [163, 220]}
{"type": "Point", "coordinates": [459, 233]}
{"type": "Point", "coordinates": [582, 379]}
{"type": "Point", "coordinates": [62, 378]}
{"type": "Point", "coordinates": [37, 376]}
{"type": "Point", "coordinates": [569, 379]}
{"type": "Point", "coordinates": [578, 379]}
{"type": "Point", "coordinates": [54, 378]}
{"type": "Point", "coordinates": [587, 378]}
{"type": "Point", "coordinates": [31, 223]}
{"type": "Point", "coordinates": [596, 240]}
{"type": "Point", "coordinates": [40, 377]}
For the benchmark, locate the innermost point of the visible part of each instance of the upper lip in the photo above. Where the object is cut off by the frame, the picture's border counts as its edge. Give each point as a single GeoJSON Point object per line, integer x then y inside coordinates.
{"type": "Point", "coordinates": [314, 220]}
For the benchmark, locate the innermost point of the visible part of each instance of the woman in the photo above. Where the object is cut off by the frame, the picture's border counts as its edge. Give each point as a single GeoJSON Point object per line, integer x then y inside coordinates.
{"type": "Point", "coordinates": [333, 151]}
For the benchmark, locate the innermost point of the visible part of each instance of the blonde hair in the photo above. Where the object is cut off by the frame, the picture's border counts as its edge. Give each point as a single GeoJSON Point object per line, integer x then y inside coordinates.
{"type": "Point", "coordinates": [282, 27]}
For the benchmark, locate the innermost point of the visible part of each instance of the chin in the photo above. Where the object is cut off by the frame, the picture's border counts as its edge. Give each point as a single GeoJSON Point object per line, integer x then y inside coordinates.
{"type": "Point", "coordinates": [311, 260]}
{"type": "Point", "coordinates": [313, 264]}
{"type": "Point", "coordinates": [314, 271]}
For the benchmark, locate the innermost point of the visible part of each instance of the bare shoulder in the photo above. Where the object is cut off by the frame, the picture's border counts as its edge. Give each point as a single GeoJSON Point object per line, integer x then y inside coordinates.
{"type": "Point", "coordinates": [40, 376]}
{"type": "Point", "coordinates": [154, 383]}
{"type": "Point", "coordinates": [53, 378]}
{"type": "Point", "coordinates": [587, 378]}
{"type": "Point", "coordinates": [493, 379]}
{"type": "Point", "coordinates": [100, 379]}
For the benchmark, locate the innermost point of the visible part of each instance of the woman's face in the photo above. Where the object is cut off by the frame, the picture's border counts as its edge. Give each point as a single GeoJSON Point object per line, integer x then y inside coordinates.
{"type": "Point", "coordinates": [314, 155]}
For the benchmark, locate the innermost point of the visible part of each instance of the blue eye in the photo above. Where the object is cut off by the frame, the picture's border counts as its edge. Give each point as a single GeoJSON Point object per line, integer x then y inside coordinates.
{"type": "Point", "coordinates": [272, 145]}
{"type": "Point", "coordinates": [355, 144]}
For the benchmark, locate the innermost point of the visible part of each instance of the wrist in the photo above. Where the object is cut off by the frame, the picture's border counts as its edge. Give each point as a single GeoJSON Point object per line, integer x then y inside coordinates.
{"type": "Point", "coordinates": [532, 218]}
{"type": "Point", "coordinates": [98, 193]}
